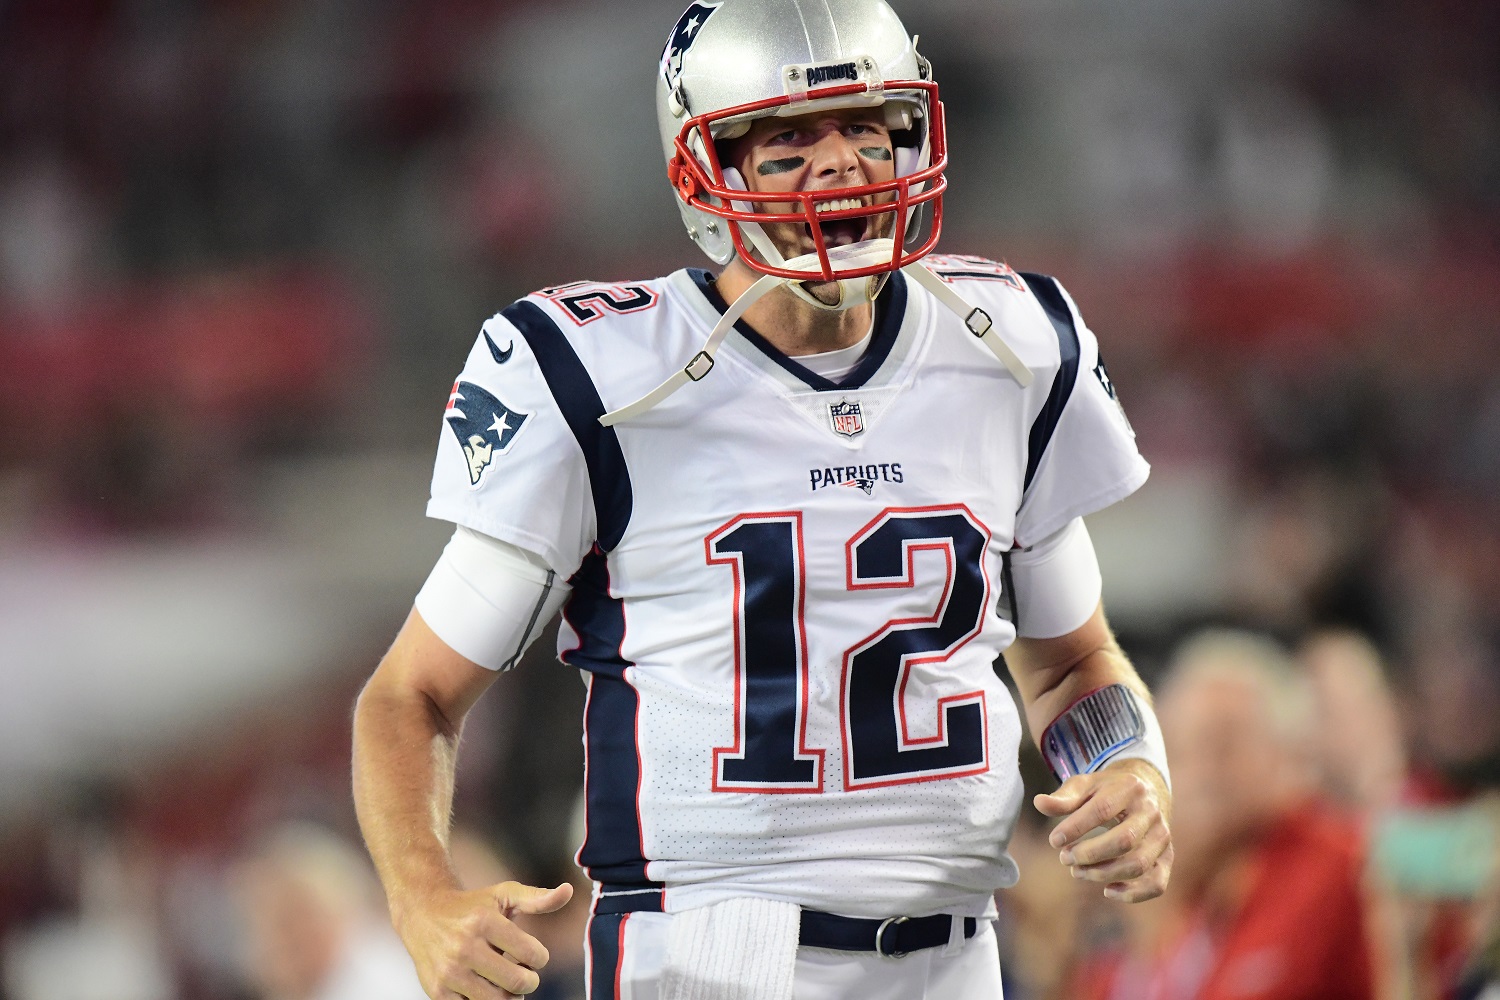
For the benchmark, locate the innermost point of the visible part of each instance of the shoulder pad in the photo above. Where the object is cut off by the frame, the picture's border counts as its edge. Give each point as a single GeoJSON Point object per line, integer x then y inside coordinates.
{"type": "Point", "coordinates": [962, 267]}
{"type": "Point", "coordinates": [580, 303]}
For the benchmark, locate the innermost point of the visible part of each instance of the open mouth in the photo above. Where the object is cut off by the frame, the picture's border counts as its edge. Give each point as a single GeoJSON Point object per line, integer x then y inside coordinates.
{"type": "Point", "coordinates": [842, 232]}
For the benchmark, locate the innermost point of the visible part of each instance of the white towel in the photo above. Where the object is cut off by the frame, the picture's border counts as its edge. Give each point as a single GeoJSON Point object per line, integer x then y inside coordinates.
{"type": "Point", "coordinates": [740, 949]}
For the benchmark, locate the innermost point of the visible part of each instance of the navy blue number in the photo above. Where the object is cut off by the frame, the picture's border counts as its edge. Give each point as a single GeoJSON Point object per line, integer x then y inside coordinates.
{"type": "Point", "coordinates": [770, 663]}
{"type": "Point", "coordinates": [588, 305]}
{"type": "Point", "coordinates": [878, 749]}
{"type": "Point", "coordinates": [770, 654]}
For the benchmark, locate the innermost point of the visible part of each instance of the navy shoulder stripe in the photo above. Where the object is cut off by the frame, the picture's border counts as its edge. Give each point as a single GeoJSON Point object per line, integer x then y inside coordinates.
{"type": "Point", "coordinates": [1050, 295]}
{"type": "Point", "coordinates": [581, 407]}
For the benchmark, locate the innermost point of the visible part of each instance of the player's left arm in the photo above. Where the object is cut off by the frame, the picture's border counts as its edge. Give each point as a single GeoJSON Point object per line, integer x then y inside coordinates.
{"type": "Point", "coordinates": [1106, 747]}
{"type": "Point", "coordinates": [1129, 797]}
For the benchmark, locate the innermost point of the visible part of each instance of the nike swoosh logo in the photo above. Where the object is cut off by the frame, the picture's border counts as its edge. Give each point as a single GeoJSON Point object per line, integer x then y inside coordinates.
{"type": "Point", "coordinates": [500, 356]}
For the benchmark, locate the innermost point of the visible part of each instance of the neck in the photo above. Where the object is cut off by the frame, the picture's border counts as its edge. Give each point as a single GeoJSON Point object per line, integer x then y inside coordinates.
{"type": "Point", "coordinates": [791, 325]}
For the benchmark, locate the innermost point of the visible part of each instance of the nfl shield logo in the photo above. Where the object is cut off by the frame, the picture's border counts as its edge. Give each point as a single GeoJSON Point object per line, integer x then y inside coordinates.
{"type": "Point", "coordinates": [848, 418]}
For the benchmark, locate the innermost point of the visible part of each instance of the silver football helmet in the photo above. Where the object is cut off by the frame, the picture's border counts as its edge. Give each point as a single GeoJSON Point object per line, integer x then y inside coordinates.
{"type": "Point", "coordinates": [730, 62]}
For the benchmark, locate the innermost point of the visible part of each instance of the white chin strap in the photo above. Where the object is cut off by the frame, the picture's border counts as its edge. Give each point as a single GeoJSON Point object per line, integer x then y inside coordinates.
{"type": "Point", "coordinates": [977, 320]}
{"type": "Point", "coordinates": [703, 361]}
{"type": "Point", "coordinates": [852, 291]}
{"type": "Point", "coordinates": [855, 255]}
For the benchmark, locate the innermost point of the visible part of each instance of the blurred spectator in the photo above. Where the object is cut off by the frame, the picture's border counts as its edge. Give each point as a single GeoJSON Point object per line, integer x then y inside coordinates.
{"type": "Point", "coordinates": [1434, 825]}
{"type": "Point", "coordinates": [1437, 870]}
{"type": "Point", "coordinates": [314, 928]}
{"type": "Point", "coordinates": [1266, 899]}
{"type": "Point", "coordinates": [1481, 976]}
{"type": "Point", "coordinates": [1456, 703]}
{"type": "Point", "coordinates": [104, 943]}
{"type": "Point", "coordinates": [1358, 744]}
{"type": "Point", "coordinates": [49, 231]}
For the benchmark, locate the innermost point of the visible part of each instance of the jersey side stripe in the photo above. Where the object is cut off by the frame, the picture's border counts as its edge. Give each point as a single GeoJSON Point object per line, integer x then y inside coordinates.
{"type": "Point", "coordinates": [611, 849]}
{"type": "Point", "coordinates": [606, 934]}
{"type": "Point", "coordinates": [1055, 306]}
{"type": "Point", "coordinates": [581, 407]}
{"type": "Point", "coordinates": [612, 844]}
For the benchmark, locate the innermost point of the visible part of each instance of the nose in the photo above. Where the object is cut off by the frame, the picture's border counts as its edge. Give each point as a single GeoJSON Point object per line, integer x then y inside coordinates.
{"type": "Point", "coordinates": [834, 158]}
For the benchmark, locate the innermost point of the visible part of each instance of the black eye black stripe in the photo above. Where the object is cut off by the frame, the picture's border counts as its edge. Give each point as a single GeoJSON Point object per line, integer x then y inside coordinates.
{"type": "Point", "coordinates": [780, 166]}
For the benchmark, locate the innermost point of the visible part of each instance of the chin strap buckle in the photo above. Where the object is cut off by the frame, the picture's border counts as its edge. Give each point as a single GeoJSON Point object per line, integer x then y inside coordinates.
{"type": "Point", "coordinates": [978, 322]}
{"type": "Point", "coordinates": [700, 366]}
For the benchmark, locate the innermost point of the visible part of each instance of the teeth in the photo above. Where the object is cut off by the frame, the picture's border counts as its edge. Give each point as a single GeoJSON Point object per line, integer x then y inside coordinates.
{"type": "Point", "coordinates": [843, 204]}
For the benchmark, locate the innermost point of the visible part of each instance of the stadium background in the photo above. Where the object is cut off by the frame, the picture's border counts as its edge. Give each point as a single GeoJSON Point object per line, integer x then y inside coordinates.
{"type": "Point", "coordinates": [245, 245]}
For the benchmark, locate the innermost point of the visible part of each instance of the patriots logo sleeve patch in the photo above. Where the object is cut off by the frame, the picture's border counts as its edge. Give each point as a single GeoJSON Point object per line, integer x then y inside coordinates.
{"type": "Point", "coordinates": [485, 427]}
{"type": "Point", "coordinates": [1102, 374]}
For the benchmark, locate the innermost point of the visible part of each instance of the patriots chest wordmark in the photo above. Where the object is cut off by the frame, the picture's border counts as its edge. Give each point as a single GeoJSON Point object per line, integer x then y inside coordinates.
{"type": "Point", "coordinates": [485, 427]}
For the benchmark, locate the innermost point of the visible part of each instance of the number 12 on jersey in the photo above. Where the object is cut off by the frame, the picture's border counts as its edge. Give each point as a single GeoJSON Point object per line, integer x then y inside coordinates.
{"type": "Point", "coordinates": [770, 752]}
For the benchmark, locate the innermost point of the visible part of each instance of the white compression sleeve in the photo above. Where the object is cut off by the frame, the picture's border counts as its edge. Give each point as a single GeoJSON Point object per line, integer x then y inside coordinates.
{"type": "Point", "coordinates": [1056, 583]}
{"type": "Point", "coordinates": [488, 599]}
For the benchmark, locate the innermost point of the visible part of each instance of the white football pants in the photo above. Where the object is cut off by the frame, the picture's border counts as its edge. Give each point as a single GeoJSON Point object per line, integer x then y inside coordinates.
{"type": "Point", "coordinates": [627, 964]}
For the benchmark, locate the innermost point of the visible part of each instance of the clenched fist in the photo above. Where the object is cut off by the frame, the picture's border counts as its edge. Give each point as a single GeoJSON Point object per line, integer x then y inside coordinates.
{"type": "Point", "coordinates": [465, 944]}
{"type": "Point", "coordinates": [1133, 856]}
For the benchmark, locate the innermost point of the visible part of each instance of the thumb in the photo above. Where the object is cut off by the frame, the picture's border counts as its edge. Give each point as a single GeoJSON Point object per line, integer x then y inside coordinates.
{"type": "Point", "coordinates": [514, 897]}
{"type": "Point", "coordinates": [1068, 797]}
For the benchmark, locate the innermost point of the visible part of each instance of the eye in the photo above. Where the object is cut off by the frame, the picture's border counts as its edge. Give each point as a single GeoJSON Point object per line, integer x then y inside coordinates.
{"type": "Point", "coordinates": [785, 138]}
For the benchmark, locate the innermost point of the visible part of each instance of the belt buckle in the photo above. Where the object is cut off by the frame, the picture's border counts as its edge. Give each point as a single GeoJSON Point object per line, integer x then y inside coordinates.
{"type": "Point", "coordinates": [880, 936]}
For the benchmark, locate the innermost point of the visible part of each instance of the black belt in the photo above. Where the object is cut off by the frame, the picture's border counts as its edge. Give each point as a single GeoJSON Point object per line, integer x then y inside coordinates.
{"type": "Point", "coordinates": [892, 937]}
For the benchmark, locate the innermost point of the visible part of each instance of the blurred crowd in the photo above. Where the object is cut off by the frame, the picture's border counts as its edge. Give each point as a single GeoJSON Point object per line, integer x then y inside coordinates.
{"type": "Point", "coordinates": [1316, 857]}
{"type": "Point", "coordinates": [238, 231]}
{"type": "Point", "coordinates": [235, 872]}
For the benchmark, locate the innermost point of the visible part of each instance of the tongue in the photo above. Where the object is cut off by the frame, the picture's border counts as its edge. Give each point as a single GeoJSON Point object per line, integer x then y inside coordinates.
{"type": "Point", "coordinates": [842, 232]}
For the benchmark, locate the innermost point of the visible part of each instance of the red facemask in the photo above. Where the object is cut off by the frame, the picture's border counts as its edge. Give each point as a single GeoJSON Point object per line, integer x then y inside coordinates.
{"type": "Point", "coordinates": [696, 182]}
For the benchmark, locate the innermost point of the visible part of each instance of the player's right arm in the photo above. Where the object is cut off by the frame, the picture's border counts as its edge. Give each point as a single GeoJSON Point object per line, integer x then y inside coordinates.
{"type": "Point", "coordinates": [407, 724]}
{"type": "Point", "coordinates": [511, 472]}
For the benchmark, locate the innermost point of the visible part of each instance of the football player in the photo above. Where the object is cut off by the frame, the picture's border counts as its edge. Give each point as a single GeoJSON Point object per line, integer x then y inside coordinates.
{"type": "Point", "coordinates": [792, 512]}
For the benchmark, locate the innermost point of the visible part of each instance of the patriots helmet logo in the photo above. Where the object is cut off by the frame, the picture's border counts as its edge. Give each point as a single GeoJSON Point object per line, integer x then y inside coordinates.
{"type": "Point", "coordinates": [681, 40]}
{"type": "Point", "coordinates": [485, 427]}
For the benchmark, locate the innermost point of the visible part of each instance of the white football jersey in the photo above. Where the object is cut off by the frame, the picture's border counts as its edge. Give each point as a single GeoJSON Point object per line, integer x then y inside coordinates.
{"type": "Point", "coordinates": [787, 593]}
